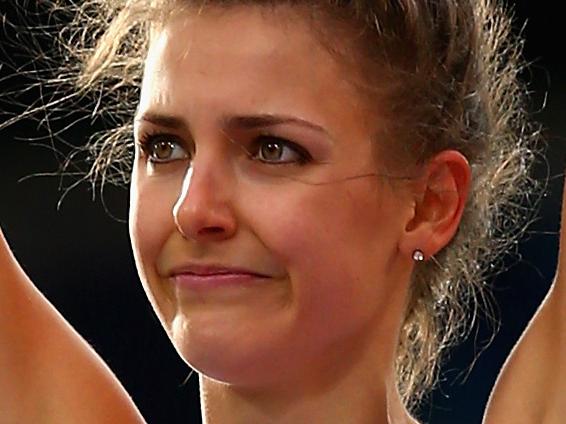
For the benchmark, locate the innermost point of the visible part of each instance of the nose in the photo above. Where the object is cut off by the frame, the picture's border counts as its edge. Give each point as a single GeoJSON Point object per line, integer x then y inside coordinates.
{"type": "Point", "coordinates": [203, 211]}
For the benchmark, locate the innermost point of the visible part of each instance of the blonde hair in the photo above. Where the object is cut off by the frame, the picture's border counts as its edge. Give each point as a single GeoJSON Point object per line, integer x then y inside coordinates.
{"type": "Point", "coordinates": [455, 64]}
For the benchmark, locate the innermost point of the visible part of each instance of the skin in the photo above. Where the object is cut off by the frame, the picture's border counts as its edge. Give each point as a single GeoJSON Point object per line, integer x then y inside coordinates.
{"type": "Point", "coordinates": [36, 386]}
{"type": "Point", "coordinates": [331, 266]}
{"type": "Point", "coordinates": [325, 322]}
{"type": "Point", "coordinates": [313, 341]}
{"type": "Point", "coordinates": [532, 383]}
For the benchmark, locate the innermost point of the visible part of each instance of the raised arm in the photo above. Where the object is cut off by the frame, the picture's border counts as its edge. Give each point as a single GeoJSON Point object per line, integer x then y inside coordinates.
{"type": "Point", "coordinates": [48, 373]}
{"type": "Point", "coordinates": [531, 388]}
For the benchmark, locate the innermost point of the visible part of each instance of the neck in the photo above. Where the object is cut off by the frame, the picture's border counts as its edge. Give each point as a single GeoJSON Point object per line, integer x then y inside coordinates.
{"type": "Point", "coordinates": [365, 398]}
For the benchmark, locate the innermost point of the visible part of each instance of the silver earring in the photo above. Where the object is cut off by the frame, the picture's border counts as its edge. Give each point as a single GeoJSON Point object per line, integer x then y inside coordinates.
{"type": "Point", "coordinates": [418, 255]}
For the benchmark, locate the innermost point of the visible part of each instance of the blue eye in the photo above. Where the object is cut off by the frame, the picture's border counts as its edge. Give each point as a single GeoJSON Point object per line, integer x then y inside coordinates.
{"type": "Point", "coordinates": [162, 148]}
{"type": "Point", "coordinates": [278, 151]}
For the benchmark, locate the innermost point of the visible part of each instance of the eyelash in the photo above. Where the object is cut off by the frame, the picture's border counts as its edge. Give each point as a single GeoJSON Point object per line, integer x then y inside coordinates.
{"type": "Point", "coordinates": [146, 141]}
{"type": "Point", "coordinates": [304, 156]}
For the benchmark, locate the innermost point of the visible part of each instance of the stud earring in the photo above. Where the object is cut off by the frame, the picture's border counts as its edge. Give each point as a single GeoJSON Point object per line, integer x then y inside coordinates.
{"type": "Point", "coordinates": [418, 255]}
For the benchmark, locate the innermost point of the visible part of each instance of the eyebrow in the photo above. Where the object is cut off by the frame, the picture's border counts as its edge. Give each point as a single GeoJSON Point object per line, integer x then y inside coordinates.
{"type": "Point", "coordinates": [269, 120]}
{"type": "Point", "coordinates": [167, 121]}
{"type": "Point", "coordinates": [246, 122]}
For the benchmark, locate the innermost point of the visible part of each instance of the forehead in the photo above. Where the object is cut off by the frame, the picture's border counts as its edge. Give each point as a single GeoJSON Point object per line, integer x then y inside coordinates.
{"type": "Point", "coordinates": [245, 57]}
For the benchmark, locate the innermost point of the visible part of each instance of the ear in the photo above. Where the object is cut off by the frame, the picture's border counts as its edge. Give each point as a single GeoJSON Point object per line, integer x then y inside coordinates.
{"type": "Point", "coordinates": [438, 202]}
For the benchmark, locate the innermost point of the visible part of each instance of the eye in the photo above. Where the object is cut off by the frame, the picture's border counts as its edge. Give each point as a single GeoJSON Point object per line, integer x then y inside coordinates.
{"type": "Point", "coordinates": [162, 148]}
{"type": "Point", "coordinates": [278, 151]}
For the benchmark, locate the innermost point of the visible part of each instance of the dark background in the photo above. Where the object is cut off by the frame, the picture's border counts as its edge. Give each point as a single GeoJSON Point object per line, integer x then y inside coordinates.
{"type": "Point", "coordinates": [79, 255]}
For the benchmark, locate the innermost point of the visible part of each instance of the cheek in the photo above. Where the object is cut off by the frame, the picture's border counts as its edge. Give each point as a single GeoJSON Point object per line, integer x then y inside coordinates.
{"type": "Point", "coordinates": [150, 218]}
{"type": "Point", "coordinates": [303, 223]}
{"type": "Point", "coordinates": [337, 244]}
{"type": "Point", "coordinates": [150, 221]}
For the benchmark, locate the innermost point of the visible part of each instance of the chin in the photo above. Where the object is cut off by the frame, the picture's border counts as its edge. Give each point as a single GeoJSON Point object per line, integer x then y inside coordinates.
{"type": "Point", "coordinates": [221, 363]}
{"type": "Point", "coordinates": [251, 358]}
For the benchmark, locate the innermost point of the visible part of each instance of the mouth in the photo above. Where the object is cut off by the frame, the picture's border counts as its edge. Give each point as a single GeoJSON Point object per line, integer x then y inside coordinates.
{"type": "Point", "coordinates": [203, 277]}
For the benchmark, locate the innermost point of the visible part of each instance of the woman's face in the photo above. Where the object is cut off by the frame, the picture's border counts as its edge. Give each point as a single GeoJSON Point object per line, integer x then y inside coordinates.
{"type": "Point", "coordinates": [262, 257]}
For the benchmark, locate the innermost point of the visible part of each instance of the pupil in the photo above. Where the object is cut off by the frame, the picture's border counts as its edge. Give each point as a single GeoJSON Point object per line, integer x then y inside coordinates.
{"type": "Point", "coordinates": [163, 150]}
{"type": "Point", "coordinates": [272, 151]}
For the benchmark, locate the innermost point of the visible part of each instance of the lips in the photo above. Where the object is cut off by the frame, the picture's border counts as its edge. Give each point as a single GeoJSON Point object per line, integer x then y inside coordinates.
{"type": "Point", "coordinates": [202, 277]}
{"type": "Point", "coordinates": [212, 270]}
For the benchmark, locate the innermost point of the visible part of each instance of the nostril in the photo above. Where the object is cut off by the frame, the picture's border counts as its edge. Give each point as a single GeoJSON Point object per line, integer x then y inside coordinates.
{"type": "Point", "coordinates": [211, 230]}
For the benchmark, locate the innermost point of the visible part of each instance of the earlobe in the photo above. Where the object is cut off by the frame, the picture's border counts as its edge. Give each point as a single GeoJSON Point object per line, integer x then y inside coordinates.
{"type": "Point", "coordinates": [439, 200]}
